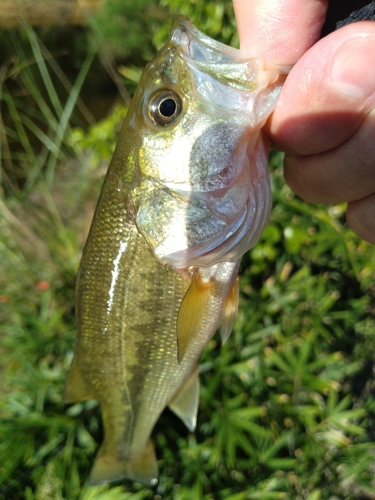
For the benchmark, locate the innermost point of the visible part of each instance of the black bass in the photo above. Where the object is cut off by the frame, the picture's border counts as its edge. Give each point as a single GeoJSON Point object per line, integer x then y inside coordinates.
{"type": "Point", "coordinates": [186, 194]}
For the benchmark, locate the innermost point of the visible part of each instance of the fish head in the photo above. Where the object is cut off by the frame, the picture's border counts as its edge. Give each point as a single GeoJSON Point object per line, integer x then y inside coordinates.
{"type": "Point", "coordinates": [201, 194]}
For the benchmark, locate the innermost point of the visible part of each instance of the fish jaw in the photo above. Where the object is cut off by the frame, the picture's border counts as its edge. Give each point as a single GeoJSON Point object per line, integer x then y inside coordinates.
{"type": "Point", "coordinates": [220, 71]}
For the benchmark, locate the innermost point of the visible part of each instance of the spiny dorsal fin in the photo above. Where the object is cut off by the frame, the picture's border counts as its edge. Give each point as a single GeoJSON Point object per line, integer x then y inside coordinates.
{"type": "Point", "coordinates": [191, 313]}
{"type": "Point", "coordinates": [142, 467]}
{"type": "Point", "coordinates": [186, 401]}
{"type": "Point", "coordinates": [75, 387]}
{"type": "Point", "coordinates": [230, 311]}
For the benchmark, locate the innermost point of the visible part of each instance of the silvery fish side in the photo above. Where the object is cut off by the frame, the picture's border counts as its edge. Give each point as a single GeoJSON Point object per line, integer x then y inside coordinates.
{"type": "Point", "coordinates": [186, 194]}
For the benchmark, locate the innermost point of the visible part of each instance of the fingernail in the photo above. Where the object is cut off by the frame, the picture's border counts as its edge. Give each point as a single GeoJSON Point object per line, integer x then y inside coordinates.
{"type": "Point", "coordinates": [353, 70]}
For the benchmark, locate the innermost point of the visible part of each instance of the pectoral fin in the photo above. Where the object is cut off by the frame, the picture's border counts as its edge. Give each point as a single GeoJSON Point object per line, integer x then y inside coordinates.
{"type": "Point", "coordinates": [230, 311]}
{"type": "Point", "coordinates": [142, 467]}
{"type": "Point", "coordinates": [191, 313]}
{"type": "Point", "coordinates": [75, 387]}
{"type": "Point", "coordinates": [186, 401]}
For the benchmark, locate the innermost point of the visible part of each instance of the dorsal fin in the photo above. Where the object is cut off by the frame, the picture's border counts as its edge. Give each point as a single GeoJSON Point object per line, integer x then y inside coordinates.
{"type": "Point", "coordinates": [230, 310]}
{"type": "Point", "coordinates": [186, 400]}
{"type": "Point", "coordinates": [191, 313]}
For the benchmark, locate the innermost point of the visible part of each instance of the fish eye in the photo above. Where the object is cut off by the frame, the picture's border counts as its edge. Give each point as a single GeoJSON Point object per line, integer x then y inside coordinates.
{"type": "Point", "coordinates": [164, 107]}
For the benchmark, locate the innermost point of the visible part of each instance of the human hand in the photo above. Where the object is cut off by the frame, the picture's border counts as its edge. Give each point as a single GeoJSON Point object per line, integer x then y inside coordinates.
{"type": "Point", "coordinates": [325, 116]}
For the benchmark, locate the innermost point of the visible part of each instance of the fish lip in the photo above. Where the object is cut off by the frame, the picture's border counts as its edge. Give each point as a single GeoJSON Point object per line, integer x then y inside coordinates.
{"type": "Point", "coordinates": [189, 39]}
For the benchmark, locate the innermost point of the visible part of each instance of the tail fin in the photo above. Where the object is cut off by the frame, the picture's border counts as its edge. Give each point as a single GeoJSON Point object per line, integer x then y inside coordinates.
{"type": "Point", "coordinates": [142, 467]}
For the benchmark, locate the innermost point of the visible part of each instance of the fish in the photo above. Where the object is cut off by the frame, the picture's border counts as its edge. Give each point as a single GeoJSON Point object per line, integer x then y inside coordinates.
{"type": "Point", "coordinates": [186, 194]}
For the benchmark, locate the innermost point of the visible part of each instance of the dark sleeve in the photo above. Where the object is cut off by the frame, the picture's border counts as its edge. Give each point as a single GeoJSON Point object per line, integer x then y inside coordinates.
{"type": "Point", "coordinates": [342, 12]}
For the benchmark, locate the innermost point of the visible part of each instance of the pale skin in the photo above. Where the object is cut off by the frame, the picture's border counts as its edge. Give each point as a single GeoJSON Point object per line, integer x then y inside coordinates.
{"type": "Point", "coordinates": [325, 116]}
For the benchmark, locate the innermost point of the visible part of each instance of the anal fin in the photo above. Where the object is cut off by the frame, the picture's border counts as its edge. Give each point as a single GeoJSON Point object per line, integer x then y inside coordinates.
{"type": "Point", "coordinates": [191, 313]}
{"type": "Point", "coordinates": [230, 310]}
{"type": "Point", "coordinates": [186, 401]}
{"type": "Point", "coordinates": [142, 467]}
{"type": "Point", "coordinates": [75, 387]}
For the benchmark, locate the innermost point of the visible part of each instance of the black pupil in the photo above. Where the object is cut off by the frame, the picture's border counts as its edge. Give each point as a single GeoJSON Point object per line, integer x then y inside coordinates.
{"type": "Point", "coordinates": [168, 107]}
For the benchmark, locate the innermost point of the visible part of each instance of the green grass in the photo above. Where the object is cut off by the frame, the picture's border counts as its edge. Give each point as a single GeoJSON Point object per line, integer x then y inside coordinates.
{"type": "Point", "coordinates": [287, 405]}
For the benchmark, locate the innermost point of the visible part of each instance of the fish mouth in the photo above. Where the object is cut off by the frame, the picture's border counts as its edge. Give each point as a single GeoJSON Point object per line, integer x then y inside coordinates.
{"type": "Point", "coordinates": [215, 66]}
{"type": "Point", "coordinates": [219, 70]}
{"type": "Point", "coordinates": [205, 50]}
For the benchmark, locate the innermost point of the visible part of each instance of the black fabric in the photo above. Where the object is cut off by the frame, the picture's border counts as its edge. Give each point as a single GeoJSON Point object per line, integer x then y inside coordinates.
{"type": "Point", "coordinates": [364, 14]}
{"type": "Point", "coordinates": [342, 12]}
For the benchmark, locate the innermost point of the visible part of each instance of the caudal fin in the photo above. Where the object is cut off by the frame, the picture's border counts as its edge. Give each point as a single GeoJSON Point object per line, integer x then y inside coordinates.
{"type": "Point", "coordinates": [142, 467]}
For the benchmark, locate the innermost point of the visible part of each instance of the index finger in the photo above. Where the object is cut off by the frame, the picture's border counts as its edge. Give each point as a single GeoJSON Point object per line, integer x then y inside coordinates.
{"type": "Point", "coordinates": [279, 31]}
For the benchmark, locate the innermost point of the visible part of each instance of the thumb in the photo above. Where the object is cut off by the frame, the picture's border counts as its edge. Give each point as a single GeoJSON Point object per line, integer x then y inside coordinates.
{"type": "Point", "coordinates": [328, 92]}
{"type": "Point", "coordinates": [278, 31]}
{"type": "Point", "coordinates": [324, 118]}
